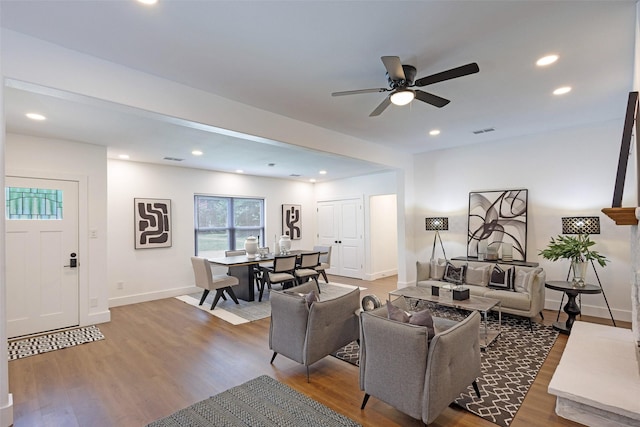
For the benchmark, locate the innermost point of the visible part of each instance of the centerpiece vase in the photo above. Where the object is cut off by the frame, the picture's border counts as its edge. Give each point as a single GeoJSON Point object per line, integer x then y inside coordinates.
{"type": "Point", "coordinates": [579, 269]}
{"type": "Point", "coordinates": [285, 244]}
{"type": "Point", "coordinates": [251, 246]}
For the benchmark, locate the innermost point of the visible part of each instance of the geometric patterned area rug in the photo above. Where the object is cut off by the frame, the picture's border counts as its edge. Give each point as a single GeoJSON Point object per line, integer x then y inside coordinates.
{"type": "Point", "coordinates": [249, 311]}
{"type": "Point", "coordinates": [56, 341]}
{"type": "Point", "coordinates": [263, 401]}
{"type": "Point", "coordinates": [509, 365]}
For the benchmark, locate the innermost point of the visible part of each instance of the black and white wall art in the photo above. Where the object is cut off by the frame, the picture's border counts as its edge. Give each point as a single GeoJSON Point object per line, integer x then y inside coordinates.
{"type": "Point", "coordinates": [152, 223]}
{"type": "Point", "coordinates": [291, 221]}
{"type": "Point", "coordinates": [497, 218]}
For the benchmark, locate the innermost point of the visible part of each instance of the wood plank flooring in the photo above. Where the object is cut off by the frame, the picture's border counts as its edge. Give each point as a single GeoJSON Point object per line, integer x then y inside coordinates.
{"type": "Point", "coordinates": [161, 356]}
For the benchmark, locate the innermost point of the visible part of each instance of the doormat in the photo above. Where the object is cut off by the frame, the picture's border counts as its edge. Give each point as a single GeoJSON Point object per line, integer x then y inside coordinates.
{"type": "Point", "coordinates": [50, 342]}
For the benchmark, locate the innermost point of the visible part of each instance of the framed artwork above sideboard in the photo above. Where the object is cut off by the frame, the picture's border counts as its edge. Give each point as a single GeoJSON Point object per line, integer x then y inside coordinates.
{"type": "Point", "coordinates": [498, 219]}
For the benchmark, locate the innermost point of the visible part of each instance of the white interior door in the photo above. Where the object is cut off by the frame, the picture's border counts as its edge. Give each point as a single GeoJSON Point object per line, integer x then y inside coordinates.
{"type": "Point", "coordinates": [41, 240]}
{"type": "Point", "coordinates": [340, 225]}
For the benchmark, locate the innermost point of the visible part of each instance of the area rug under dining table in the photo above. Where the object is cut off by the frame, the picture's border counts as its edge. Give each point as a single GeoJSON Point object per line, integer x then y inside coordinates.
{"type": "Point", "coordinates": [509, 365]}
{"type": "Point", "coordinates": [260, 402]}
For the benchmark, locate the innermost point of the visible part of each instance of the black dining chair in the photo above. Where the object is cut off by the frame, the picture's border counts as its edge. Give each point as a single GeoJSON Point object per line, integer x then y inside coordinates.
{"type": "Point", "coordinates": [282, 273]}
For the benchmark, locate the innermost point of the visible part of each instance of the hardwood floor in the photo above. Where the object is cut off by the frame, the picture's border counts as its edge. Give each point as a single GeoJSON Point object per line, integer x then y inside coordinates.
{"type": "Point", "coordinates": [161, 356]}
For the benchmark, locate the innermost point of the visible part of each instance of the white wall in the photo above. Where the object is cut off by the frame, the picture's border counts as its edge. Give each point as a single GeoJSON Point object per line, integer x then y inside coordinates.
{"type": "Point", "coordinates": [31, 156]}
{"type": "Point", "coordinates": [149, 274]}
{"type": "Point", "coordinates": [568, 173]}
{"type": "Point", "coordinates": [383, 234]}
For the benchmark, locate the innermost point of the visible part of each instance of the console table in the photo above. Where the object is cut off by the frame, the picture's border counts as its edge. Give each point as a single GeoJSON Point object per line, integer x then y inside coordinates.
{"type": "Point", "coordinates": [496, 261]}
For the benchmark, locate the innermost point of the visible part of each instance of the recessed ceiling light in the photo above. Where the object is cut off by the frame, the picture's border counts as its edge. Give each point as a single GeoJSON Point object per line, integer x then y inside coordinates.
{"type": "Point", "coordinates": [434, 132]}
{"type": "Point", "coordinates": [197, 153]}
{"type": "Point", "coordinates": [322, 172]}
{"type": "Point", "coordinates": [149, 2]}
{"type": "Point", "coordinates": [35, 116]}
{"type": "Point", "coordinates": [239, 171]}
{"type": "Point", "coordinates": [562, 90]}
{"type": "Point", "coordinates": [312, 180]}
{"type": "Point", "coordinates": [546, 60]}
{"type": "Point", "coordinates": [123, 156]}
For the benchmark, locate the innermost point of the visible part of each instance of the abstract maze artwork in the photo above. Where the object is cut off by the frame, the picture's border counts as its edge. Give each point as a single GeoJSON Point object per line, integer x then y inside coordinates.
{"type": "Point", "coordinates": [152, 223]}
{"type": "Point", "coordinates": [291, 224]}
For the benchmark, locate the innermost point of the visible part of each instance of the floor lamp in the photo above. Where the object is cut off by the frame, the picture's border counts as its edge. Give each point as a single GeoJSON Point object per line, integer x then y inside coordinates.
{"type": "Point", "coordinates": [583, 225]}
{"type": "Point", "coordinates": [437, 224]}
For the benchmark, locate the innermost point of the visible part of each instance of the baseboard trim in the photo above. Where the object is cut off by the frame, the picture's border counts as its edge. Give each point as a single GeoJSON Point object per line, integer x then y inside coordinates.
{"type": "Point", "coordinates": [96, 318]}
{"type": "Point", "coordinates": [592, 310]}
{"type": "Point", "coordinates": [6, 412]}
{"type": "Point", "coordinates": [380, 275]}
{"type": "Point", "coordinates": [152, 296]}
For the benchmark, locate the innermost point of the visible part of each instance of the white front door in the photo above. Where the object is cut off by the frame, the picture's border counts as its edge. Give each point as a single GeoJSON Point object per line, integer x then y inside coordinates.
{"type": "Point", "coordinates": [41, 217]}
{"type": "Point", "coordinates": [340, 225]}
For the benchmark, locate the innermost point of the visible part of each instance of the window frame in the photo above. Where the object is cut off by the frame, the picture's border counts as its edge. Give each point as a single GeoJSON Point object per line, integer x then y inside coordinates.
{"type": "Point", "coordinates": [230, 228]}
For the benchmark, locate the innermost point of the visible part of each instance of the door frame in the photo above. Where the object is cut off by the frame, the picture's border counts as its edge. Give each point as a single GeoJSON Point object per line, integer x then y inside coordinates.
{"type": "Point", "coordinates": [83, 230]}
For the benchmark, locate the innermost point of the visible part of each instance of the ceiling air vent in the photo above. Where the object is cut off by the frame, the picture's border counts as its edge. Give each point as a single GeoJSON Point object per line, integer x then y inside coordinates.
{"type": "Point", "coordinates": [479, 131]}
{"type": "Point", "coordinates": [295, 174]}
{"type": "Point", "coordinates": [173, 159]}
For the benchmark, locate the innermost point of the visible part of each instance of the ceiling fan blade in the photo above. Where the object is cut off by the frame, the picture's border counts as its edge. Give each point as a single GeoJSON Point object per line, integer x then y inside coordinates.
{"type": "Point", "coordinates": [449, 74]}
{"type": "Point", "coordinates": [432, 99]}
{"type": "Point", "coordinates": [355, 92]}
{"type": "Point", "coordinates": [394, 67]}
{"type": "Point", "coordinates": [380, 108]}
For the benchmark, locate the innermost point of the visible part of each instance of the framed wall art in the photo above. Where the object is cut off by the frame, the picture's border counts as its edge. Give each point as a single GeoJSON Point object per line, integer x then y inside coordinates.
{"type": "Point", "coordinates": [152, 219]}
{"type": "Point", "coordinates": [498, 219]}
{"type": "Point", "coordinates": [291, 221]}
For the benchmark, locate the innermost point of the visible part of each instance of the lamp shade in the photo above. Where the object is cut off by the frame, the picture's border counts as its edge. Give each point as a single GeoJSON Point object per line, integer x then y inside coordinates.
{"type": "Point", "coordinates": [581, 225]}
{"type": "Point", "coordinates": [436, 223]}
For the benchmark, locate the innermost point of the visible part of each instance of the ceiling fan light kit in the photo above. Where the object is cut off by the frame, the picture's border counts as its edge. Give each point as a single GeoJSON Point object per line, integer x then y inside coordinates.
{"type": "Point", "coordinates": [401, 78]}
{"type": "Point", "coordinates": [402, 97]}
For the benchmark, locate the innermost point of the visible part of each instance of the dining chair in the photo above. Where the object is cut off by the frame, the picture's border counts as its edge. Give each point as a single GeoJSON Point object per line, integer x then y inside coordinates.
{"type": "Point", "coordinates": [305, 270]}
{"type": "Point", "coordinates": [325, 260]}
{"type": "Point", "coordinates": [209, 282]}
{"type": "Point", "coordinates": [235, 252]}
{"type": "Point", "coordinates": [282, 273]}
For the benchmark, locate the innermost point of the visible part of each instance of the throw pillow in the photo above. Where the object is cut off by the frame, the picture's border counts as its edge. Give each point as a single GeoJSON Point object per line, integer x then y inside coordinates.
{"type": "Point", "coordinates": [423, 318]}
{"type": "Point", "coordinates": [524, 280]}
{"type": "Point", "coordinates": [453, 274]}
{"type": "Point", "coordinates": [311, 297]}
{"type": "Point", "coordinates": [437, 268]}
{"type": "Point", "coordinates": [502, 279]}
{"type": "Point", "coordinates": [396, 313]}
{"type": "Point", "coordinates": [477, 275]}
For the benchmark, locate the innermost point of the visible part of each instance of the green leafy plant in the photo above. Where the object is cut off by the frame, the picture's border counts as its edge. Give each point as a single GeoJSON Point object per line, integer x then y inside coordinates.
{"type": "Point", "coordinates": [574, 248]}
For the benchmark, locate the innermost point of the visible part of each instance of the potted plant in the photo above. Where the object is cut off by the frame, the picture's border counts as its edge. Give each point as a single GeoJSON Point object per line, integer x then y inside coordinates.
{"type": "Point", "coordinates": [578, 250]}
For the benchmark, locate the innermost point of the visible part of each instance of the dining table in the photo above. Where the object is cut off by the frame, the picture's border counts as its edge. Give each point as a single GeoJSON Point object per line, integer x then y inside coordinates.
{"type": "Point", "coordinates": [242, 267]}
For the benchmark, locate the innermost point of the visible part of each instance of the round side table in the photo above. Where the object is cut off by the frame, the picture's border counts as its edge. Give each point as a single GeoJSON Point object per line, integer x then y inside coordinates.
{"type": "Point", "coordinates": [571, 308]}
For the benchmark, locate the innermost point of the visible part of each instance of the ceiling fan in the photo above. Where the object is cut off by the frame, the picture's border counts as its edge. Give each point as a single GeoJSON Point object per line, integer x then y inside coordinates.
{"type": "Point", "coordinates": [401, 78]}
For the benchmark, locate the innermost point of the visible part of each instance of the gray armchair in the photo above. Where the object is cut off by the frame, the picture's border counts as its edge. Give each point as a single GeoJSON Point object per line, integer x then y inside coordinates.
{"type": "Point", "coordinates": [307, 334]}
{"type": "Point", "coordinates": [399, 366]}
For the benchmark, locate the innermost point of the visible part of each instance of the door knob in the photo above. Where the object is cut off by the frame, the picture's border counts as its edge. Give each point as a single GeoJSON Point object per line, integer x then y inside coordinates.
{"type": "Point", "coordinates": [73, 261]}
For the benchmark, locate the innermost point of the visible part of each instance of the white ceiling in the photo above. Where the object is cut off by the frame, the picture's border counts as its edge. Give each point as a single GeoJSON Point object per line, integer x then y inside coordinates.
{"type": "Point", "coordinates": [287, 57]}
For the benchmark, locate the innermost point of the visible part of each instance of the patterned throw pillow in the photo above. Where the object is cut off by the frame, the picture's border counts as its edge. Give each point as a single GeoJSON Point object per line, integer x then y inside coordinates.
{"type": "Point", "coordinates": [453, 274]}
{"type": "Point", "coordinates": [524, 280]}
{"type": "Point", "coordinates": [477, 275]}
{"type": "Point", "coordinates": [502, 279]}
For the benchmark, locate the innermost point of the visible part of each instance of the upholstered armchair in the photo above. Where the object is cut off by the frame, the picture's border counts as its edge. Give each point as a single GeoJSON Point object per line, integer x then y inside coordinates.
{"type": "Point", "coordinates": [400, 366]}
{"type": "Point", "coordinates": [306, 333]}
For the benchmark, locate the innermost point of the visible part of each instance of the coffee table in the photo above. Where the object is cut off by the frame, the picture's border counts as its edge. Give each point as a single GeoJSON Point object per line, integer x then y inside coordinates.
{"type": "Point", "coordinates": [445, 299]}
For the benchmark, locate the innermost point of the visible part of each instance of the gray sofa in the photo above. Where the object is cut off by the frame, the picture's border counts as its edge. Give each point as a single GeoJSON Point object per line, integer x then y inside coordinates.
{"type": "Point", "coordinates": [307, 334]}
{"type": "Point", "coordinates": [526, 298]}
{"type": "Point", "coordinates": [400, 366]}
